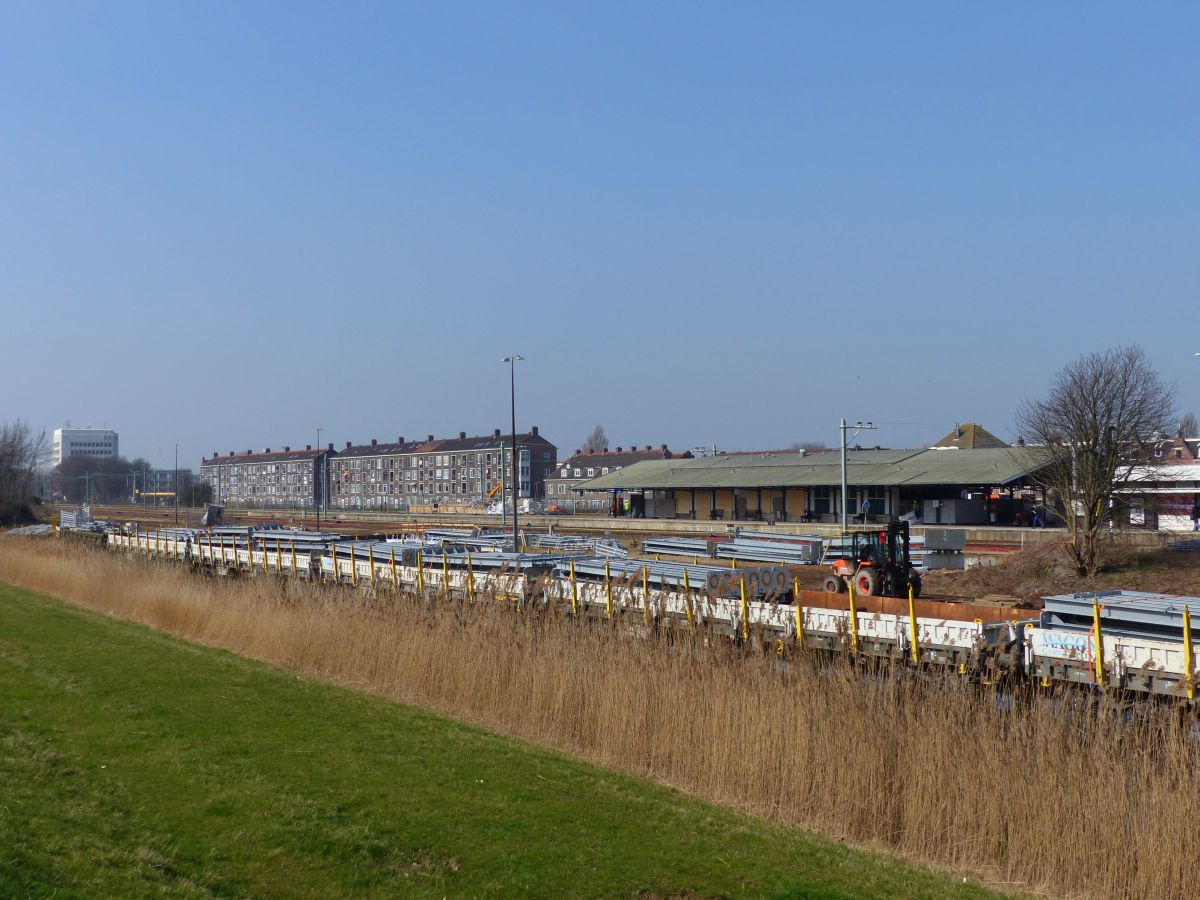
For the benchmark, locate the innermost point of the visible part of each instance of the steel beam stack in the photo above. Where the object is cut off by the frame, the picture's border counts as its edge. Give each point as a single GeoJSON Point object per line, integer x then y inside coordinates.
{"type": "Point", "coordinates": [767, 546]}
{"type": "Point", "coordinates": [680, 546]}
{"type": "Point", "coordinates": [716, 581]}
{"type": "Point", "coordinates": [1135, 614]}
{"type": "Point", "coordinates": [593, 546]}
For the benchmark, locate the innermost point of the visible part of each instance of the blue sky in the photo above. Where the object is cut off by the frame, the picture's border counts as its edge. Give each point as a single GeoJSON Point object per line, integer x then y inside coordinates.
{"type": "Point", "coordinates": [227, 224]}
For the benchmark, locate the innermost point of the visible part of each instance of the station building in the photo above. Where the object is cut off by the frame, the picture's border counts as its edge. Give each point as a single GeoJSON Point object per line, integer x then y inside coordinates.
{"type": "Point", "coordinates": [933, 486]}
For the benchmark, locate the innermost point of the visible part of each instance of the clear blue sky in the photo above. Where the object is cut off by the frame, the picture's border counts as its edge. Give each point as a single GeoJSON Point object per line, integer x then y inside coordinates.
{"type": "Point", "coordinates": [226, 224]}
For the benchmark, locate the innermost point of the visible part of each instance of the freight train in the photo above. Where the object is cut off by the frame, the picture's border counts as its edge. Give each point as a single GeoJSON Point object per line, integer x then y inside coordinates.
{"type": "Point", "coordinates": [1113, 640]}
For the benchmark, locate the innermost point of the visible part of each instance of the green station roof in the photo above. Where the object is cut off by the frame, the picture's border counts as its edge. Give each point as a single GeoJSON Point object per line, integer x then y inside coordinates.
{"type": "Point", "coordinates": [991, 467]}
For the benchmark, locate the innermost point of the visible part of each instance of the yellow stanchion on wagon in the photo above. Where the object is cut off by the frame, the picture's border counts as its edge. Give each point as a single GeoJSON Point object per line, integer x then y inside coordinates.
{"type": "Point", "coordinates": [574, 591]}
{"type": "Point", "coordinates": [853, 620]}
{"type": "Point", "coordinates": [1188, 659]}
{"type": "Point", "coordinates": [646, 596]}
{"type": "Point", "coordinates": [912, 624]}
{"type": "Point", "coordinates": [745, 610]}
{"type": "Point", "coordinates": [799, 611]}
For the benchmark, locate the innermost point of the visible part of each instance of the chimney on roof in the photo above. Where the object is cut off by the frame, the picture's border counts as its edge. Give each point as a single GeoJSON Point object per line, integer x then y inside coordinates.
{"type": "Point", "coordinates": [664, 446]}
{"type": "Point", "coordinates": [430, 438]}
{"type": "Point", "coordinates": [618, 449]}
{"type": "Point", "coordinates": [374, 443]}
{"type": "Point", "coordinates": [533, 430]}
{"type": "Point", "coordinates": [347, 445]}
{"type": "Point", "coordinates": [330, 450]}
{"type": "Point", "coordinates": [578, 451]}
{"type": "Point", "coordinates": [231, 453]}
{"type": "Point", "coordinates": [591, 452]}
{"type": "Point", "coordinates": [462, 435]}
{"type": "Point", "coordinates": [308, 446]}
{"type": "Point", "coordinates": [648, 447]}
{"type": "Point", "coordinates": [214, 454]}
{"type": "Point", "coordinates": [248, 451]}
{"type": "Point", "coordinates": [287, 449]}
{"type": "Point", "coordinates": [496, 433]}
{"type": "Point", "coordinates": [401, 441]}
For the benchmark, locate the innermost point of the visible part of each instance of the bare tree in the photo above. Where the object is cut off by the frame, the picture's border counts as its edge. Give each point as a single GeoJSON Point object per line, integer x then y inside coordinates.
{"type": "Point", "coordinates": [21, 450]}
{"type": "Point", "coordinates": [597, 440]}
{"type": "Point", "coordinates": [1099, 423]}
{"type": "Point", "coordinates": [1188, 427]}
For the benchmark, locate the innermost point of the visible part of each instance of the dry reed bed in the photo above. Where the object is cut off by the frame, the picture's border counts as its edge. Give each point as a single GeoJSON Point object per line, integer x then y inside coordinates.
{"type": "Point", "coordinates": [1039, 796]}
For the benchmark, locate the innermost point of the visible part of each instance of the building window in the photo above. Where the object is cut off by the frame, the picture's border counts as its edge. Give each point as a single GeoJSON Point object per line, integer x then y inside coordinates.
{"type": "Point", "coordinates": [821, 502]}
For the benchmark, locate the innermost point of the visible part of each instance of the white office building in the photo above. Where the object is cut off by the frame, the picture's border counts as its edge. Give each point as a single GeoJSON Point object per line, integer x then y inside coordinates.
{"type": "Point", "coordinates": [95, 442]}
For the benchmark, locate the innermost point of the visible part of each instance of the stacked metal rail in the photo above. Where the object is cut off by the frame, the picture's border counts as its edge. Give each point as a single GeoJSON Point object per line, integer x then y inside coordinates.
{"type": "Point", "coordinates": [763, 546]}
{"type": "Point", "coordinates": [762, 582]}
{"type": "Point", "coordinates": [1127, 613]}
{"type": "Point", "coordinates": [78, 519]}
{"type": "Point", "coordinates": [576, 544]}
{"type": "Point", "coordinates": [1131, 640]}
{"type": "Point", "coordinates": [433, 570]}
{"type": "Point", "coordinates": [680, 546]}
{"type": "Point", "coordinates": [303, 540]}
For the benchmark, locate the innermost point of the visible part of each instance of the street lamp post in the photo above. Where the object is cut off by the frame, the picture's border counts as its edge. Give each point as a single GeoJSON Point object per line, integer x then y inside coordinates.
{"type": "Point", "coordinates": [318, 487]}
{"type": "Point", "coordinates": [516, 479]}
{"type": "Point", "coordinates": [859, 426]}
{"type": "Point", "coordinates": [176, 485]}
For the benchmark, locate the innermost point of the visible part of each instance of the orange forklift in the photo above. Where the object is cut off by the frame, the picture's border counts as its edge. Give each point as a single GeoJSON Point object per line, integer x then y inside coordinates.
{"type": "Point", "coordinates": [878, 564]}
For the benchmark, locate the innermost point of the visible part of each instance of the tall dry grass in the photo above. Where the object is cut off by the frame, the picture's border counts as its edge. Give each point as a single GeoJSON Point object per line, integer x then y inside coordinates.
{"type": "Point", "coordinates": [1045, 795]}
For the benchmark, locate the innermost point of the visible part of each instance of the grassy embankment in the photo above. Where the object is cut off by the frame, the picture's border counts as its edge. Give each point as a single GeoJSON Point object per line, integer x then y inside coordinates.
{"type": "Point", "coordinates": [1040, 793]}
{"type": "Point", "coordinates": [133, 763]}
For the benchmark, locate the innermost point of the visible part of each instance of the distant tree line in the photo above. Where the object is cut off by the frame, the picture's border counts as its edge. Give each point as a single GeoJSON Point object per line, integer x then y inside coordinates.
{"type": "Point", "coordinates": [114, 479]}
{"type": "Point", "coordinates": [21, 450]}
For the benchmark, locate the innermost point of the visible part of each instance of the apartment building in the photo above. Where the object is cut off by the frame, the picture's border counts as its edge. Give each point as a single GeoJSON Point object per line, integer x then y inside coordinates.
{"type": "Point", "coordinates": [287, 478]}
{"type": "Point", "coordinates": [462, 470]}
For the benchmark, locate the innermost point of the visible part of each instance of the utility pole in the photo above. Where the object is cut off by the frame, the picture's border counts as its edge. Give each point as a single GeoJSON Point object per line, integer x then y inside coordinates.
{"type": "Point", "coordinates": [319, 486]}
{"type": "Point", "coordinates": [516, 475]}
{"type": "Point", "coordinates": [176, 485]}
{"type": "Point", "coordinates": [860, 427]}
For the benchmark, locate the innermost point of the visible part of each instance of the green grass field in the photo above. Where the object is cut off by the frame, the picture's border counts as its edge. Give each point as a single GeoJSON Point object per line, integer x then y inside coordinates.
{"type": "Point", "coordinates": [132, 763]}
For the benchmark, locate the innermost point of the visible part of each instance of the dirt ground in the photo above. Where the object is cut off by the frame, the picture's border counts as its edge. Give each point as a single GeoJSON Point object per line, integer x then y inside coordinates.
{"type": "Point", "coordinates": [1033, 573]}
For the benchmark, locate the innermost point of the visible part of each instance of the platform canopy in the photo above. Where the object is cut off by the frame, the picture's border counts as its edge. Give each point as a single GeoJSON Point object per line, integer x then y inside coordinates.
{"type": "Point", "coordinates": [992, 467]}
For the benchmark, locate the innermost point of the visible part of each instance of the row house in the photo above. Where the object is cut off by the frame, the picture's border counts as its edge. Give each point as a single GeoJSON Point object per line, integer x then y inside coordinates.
{"type": "Point", "coordinates": [289, 478]}
{"type": "Point", "coordinates": [463, 470]}
{"type": "Point", "coordinates": [563, 486]}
